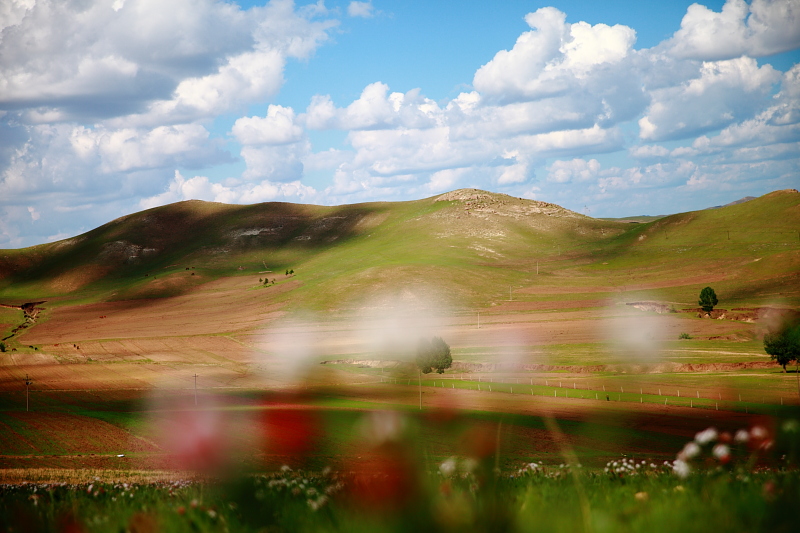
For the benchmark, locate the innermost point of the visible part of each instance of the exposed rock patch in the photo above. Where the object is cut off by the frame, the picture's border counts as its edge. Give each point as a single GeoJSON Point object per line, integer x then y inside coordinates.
{"type": "Point", "coordinates": [745, 314]}
{"type": "Point", "coordinates": [124, 252]}
{"type": "Point", "coordinates": [652, 307]}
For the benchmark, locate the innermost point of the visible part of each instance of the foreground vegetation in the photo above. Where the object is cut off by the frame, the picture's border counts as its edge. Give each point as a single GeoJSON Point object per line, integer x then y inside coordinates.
{"type": "Point", "coordinates": [394, 477]}
{"type": "Point", "coordinates": [537, 499]}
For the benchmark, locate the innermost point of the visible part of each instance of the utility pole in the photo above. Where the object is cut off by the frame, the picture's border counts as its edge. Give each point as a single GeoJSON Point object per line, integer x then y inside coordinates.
{"type": "Point", "coordinates": [509, 294]}
{"type": "Point", "coordinates": [537, 268]}
{"type": "Point", "coordinates": [195, 389]}
{"type": "Point", "coordinates": [28, 382]}
{"type": "Point", "coordinates": [419, 375]}
{"type": "Point", "coordinates": [479, 320]}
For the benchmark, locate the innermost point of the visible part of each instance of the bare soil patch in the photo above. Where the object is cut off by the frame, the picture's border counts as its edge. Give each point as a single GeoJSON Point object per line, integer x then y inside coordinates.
{"type": "Point", "coordinates": [34, 433]}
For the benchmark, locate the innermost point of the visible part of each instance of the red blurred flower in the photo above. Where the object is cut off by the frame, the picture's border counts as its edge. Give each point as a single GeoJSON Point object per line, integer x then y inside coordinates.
{"type": "Point", "coordinates": [290, 432]}
{"type": "Point", "coordinates": [387, 482]}
{"type": "Point", "coordinates": [198, 439]}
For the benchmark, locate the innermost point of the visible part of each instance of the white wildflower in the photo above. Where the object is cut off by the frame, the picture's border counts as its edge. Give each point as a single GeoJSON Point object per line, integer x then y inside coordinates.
{"type": "Point", "coordinates": [721, 452]}
{"type": "Point", "coordinates": [448, 467]}
{"type": "Point", "coordinates": [758, 432]}
{"type": "Point", "coordinates": [741, 436]}
{"type": "Point", "coordinates": [689, 451]}
{"type": "Point", "coordinates": [706, 436]}
{"type": "Point", "coordinates": [681, 468]}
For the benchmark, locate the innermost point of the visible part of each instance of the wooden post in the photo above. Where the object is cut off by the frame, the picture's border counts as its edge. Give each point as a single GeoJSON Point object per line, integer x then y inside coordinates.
{"type": "Point", "coordinates": [419, 374]}
{"type": "Point", "coordinates": [28, 382]}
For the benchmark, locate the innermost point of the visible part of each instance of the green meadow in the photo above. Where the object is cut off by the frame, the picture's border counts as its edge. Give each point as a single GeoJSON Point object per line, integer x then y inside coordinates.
{"type": "Point", "coordinates": [538, 426]}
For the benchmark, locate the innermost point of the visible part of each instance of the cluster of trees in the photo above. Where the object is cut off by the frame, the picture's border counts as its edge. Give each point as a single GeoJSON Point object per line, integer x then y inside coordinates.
{"type": "Point", "coordinates": [433, 354]}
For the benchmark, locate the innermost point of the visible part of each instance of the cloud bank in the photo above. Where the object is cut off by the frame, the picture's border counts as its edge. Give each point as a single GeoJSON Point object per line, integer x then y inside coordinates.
{"type": "Point", "coordinates": [113, 106]}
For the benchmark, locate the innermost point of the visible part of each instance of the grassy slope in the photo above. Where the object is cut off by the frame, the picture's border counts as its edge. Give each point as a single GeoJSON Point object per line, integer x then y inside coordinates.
{"type": "Point", "coordinates": [465, 251]}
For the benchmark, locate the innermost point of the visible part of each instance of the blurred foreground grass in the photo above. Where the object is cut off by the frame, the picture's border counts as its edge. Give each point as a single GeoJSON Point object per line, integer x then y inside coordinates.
{"type": "Point", "coordinates": [534, 500]}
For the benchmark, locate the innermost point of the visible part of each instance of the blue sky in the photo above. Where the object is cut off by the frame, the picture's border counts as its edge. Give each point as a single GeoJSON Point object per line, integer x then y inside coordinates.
{"type": "Point", "coordinates": [608, 108]}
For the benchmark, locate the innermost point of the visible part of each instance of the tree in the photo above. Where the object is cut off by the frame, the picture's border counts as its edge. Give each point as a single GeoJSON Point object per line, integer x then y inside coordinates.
{"type": "Point", "coordinates": [708, 299]}
{"type": "Point", "coordinates": [433, 354]}
{"type": "Point", "coordinates": [783, 343]}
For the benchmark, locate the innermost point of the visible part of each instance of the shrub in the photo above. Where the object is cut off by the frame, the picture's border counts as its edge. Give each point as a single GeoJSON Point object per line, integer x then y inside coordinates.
{"type": "Point", "coordinates": [708, 299]}
{"type": "Point", "coordinates": [433, 354]}
{"type": "Point", "coordinates": [684, 336]}
{"type": "Point", "coordinates": [783, 343]}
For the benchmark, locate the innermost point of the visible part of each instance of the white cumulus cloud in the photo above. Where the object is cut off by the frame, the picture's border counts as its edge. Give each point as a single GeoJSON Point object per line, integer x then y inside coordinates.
{"type": "Point", "coordinates": [762, 28]}
{"type": "Point", "coordinates": [576, 169]}
{"type": "Point", "coordinates": [551, 57]}
{"type": "Point", "coordinates": [278, 127]}
{"type": "Point", "coordinates": [201, 188]}
{"type": "Point", "coordinates": [360, 9]}
{"type": "Point", "coordinates": [723, 92]}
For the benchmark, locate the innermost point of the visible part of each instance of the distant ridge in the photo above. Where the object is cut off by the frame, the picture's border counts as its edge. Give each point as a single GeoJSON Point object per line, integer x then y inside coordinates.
{"type": "Point", "coordinates": [736, 202]}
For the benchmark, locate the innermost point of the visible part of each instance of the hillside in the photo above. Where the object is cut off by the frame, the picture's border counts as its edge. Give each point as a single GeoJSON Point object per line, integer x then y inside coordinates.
{"type": "Point", "coordinates": [215, 240]}
{"type": "Point", "coordinates": [149, 296]}
{"type": "Point", "coordinates": [468, 246]}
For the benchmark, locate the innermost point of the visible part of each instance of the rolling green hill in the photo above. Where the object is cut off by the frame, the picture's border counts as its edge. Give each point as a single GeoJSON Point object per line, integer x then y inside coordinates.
{"type": "Point", "coordinates": [467, 248]}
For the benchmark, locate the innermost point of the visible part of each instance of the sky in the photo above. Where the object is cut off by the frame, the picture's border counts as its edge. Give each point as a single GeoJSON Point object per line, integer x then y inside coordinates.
{"type": "Point", "coordinates": [611, 109]}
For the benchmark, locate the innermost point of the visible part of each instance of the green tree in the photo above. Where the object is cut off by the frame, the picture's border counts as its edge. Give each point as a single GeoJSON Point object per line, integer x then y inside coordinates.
{"type": "Point", "coordinates": [433, 354]}
{"type": "Point", "coordinates": [783, 343]}
{"type": "Point", "coordinates": [708, 299]}
{"type": "Point", "coordinates": [2, 347]}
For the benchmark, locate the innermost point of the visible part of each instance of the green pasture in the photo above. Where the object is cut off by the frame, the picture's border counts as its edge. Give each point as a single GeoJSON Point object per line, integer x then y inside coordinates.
{"type": "Point", "coordinates": [750, 402]}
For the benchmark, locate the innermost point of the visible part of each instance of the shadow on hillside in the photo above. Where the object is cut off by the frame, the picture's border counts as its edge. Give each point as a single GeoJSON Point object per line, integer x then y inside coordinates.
{"type": "Point", "coordinates": [221, 237]}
